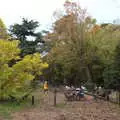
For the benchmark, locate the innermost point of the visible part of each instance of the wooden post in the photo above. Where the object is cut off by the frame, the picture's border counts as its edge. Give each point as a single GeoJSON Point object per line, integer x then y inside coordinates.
{"type": "Point", "coordinates": [55, 92]}
{"type": "Point", "coordinates": [33, 100]}
{"type": "Point", "coordinates": [119, 98]}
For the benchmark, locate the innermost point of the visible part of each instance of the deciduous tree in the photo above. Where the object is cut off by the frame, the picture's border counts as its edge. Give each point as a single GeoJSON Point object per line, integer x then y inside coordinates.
{"type": "Point", "coordinates": [16, 80]}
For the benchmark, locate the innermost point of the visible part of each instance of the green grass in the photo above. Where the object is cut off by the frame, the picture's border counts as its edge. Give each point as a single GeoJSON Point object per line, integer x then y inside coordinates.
{"type": "Point", "coordinates": [8, 107]}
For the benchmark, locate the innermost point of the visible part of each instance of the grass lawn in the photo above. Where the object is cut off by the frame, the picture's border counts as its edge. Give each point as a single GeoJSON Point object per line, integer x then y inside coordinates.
{"type": "Point", "coordinates": [8, 107]}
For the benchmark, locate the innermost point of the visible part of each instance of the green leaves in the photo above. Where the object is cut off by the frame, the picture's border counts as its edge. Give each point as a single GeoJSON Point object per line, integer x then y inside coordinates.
{"type": "Point", "coordinates": [81, 49]}
{"type": "Point", "coordinates": [26, 33]}
{"type": "Point", "coordinates": [68, 54]}
{"type": "Point", "coordinates": [16, 80]}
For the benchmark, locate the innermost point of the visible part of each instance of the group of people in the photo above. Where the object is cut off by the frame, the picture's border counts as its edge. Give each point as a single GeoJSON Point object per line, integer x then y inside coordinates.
{"type": "Point", "coordinates": [72, 91]}
{"type": "Point", "coordinates": [77, 93]}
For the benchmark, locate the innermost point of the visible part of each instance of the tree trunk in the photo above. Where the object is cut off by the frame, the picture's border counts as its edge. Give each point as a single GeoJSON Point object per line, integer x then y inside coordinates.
{"type": "Point", "coordinates": [55, 91]}
{"type": "Point", "coordinates": [89, 74]}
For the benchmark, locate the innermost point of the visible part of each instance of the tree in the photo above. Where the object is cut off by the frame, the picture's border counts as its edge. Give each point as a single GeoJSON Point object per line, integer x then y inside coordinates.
{"type": "Point", "coordinates": [81, 49]}
{"type": "Point", "coordinates": [102, 41]}
{"type": "Point", "coordinates": [25, 32]}
{"type": "Point", "coordinates": [69, 41]}
{"type": "Point", "coordinates": [117, 68]}
{"type": "Point", "coordinates": [15, 80]}
{"type": "Point", "coordinates": [112, 72]}
{"type": "Point", "coordinates": [3, 30]}
{"type": "Point", "coordinates": [102, 45]}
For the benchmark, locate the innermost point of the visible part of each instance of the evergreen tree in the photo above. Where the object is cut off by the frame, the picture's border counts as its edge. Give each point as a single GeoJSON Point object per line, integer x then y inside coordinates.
{"type": "Point", "coordinates": [26, 33]}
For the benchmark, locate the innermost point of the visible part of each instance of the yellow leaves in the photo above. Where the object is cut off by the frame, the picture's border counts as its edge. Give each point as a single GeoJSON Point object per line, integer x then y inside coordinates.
{"type": "Point", "coordinates": [18, 77]}
{"type": "Point", "coordinates": [8, 51]}
{"type": "Point", "coordinates": [3, 30]}
{"type": "Point", "coordinates": [31, 64]}
{"type": "Point", "coordinates": [44, 65]}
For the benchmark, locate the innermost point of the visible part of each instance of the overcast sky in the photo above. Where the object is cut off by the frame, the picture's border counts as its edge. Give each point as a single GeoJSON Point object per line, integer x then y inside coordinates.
{"type": "Point", "coordinates": [11, 11]}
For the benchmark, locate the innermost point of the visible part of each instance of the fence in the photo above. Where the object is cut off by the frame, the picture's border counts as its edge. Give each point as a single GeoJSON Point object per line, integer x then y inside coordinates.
{"type": "Point", "coordinates": [115, 97]}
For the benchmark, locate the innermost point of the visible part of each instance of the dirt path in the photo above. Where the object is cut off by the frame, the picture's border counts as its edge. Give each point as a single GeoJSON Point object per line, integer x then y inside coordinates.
{"type": "Point", "coordinates": [83, 110]}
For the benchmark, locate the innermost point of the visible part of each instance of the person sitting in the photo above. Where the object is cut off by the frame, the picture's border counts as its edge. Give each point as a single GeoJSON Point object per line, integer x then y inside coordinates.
{"type": "Point", "coordinates": [79, 93]}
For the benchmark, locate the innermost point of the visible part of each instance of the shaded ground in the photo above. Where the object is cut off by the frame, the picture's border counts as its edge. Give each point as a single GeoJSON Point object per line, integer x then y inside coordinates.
{"type": "Point", "coordinates": [83, 110]}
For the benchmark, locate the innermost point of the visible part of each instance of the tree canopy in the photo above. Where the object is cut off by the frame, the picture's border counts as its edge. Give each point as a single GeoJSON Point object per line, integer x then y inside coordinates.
{"type": "Point", "coordinates": [81, 49]}
{"type": "Point", "coordinates": [3, 30]}
{"type": "Point", "coordinates": [16, 80]}
{"type": "Point", "coordinates": [26, 33]}
{"type": "Point", "coordinates": [78, 50]}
